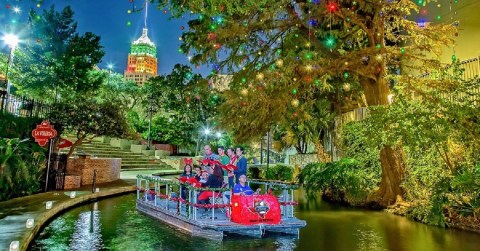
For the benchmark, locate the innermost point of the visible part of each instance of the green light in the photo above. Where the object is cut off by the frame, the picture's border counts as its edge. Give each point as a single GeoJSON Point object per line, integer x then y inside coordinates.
{"type": "Point", "coordinates": [454, 58]}
{"type": "Point", "coordinates": [308, 55]}
{"type": "Point", "coordinates": [317, 82]}
{"type": "Point", "coordinates": [402, 50]}
{"type": "Point", "coordinates": [201, 17]}
{"type": "Point", "coordinates": [379, 46]}
{"type": "Point", "coordinates": [180, 50]}
{"type": "Point", "coordinates": [294, 91]}
{"type": "Point", "coordinates": [244, 80]}
{"type": "Point", "coordinates": [330, 42]}
{"type": "Point", "coordinates": [279, 51]}
{"type": "Point", "coordinates": [213, 27]}
{"type": "Point", "coordinates": [439, 17]}
{"type": "Point", "coordinates": [345, 74]}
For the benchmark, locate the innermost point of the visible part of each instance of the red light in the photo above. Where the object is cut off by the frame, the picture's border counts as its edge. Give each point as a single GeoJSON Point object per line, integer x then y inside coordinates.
{"type": "Point", "coordinates": [332, 7]}
{"type": "Point", "coordinates": [424, 12]}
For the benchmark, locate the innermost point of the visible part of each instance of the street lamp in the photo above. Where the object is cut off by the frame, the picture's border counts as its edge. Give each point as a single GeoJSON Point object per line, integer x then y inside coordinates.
{"type": "Point", "coordinates": [12, 42]}
{"type": "Point", "coordinates": [206, 131]}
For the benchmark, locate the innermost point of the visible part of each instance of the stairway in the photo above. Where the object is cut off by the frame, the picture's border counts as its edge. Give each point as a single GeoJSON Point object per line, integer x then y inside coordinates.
{"type": "Point", "coordinates": [130, 160]}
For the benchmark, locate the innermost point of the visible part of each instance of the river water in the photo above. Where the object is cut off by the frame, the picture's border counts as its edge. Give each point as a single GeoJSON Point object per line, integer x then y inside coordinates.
{"type": "Point", "coordinates": [115, 224]}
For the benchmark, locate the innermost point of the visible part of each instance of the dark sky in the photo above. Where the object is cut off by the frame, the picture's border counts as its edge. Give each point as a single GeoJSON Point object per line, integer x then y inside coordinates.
{"type": "Point", "coordinates": [108, 19]}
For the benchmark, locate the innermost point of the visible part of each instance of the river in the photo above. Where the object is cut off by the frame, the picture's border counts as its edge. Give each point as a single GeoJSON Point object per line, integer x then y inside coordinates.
{"type": "Point", "coordinates": [115, 224]}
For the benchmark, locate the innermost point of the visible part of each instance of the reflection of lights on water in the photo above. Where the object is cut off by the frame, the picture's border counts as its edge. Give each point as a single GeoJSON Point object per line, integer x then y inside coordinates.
{"type": "Point", "coordinates": [87, 235]}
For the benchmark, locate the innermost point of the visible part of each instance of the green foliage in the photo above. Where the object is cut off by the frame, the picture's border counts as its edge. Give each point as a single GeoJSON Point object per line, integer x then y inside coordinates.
{"type": "Point", "coordinates": [346, 180]}
{"type": "Point", "coordinates": [16, 127]}
{"type": "Point", "coordinates": [179, 103]}
{"type": "Point", "coordinates": [279, 172]}
{"type": "Point", "coordinates": [21, 164]}
{"type": "Point", "coordinates": [57, 62]}
{"type": "Point", "coordinates": [357, 144]}
{"type": "Point", "coordinates": [89, 117]}
{"type": "Point", "coordinates": [465, 195]}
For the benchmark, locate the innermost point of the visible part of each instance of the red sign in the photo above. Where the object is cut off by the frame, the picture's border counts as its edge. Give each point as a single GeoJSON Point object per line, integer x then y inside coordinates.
{"type": "Point", "coordinates": [43, 133]}
{"type": "Point", "coordinates": [255, 209]}
{"type": "Point", "coordinates": [65, 143]}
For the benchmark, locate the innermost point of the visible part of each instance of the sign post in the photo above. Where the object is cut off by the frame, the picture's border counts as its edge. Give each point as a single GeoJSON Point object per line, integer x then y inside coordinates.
{"type": "Point", "coordinates": [42, 134]}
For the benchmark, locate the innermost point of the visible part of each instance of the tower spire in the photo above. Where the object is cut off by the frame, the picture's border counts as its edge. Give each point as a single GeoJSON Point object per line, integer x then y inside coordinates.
{"type": "Point", "coordinates": [146, 12]}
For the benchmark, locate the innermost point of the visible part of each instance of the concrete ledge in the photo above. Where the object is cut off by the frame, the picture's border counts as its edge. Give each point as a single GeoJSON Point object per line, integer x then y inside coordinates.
{"type": "Point", "coordinates": [60, 207]}
{"type": "Point", "coordinates": [148, 152]}
{"type": "Point", "coordinates": [137, 148]}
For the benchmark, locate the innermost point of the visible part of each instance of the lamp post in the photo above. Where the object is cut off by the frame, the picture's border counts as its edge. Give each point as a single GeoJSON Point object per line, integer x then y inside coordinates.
{"type": "Point", "coordinates": [12, 42]}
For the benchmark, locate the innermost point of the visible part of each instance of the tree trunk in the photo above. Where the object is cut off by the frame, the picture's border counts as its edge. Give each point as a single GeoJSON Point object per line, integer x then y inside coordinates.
{"type": "Point", "coordinates": [77, 143]}
{"type": "Point", "coordinates": [392, 157]}
{"type": "Point", "coordinates": [322, 156]}
{"type": "Point", "coordinates": [393, 172]}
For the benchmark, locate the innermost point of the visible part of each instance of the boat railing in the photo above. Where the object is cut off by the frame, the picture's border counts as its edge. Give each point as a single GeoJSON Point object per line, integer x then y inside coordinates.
{"type": "Point", "coordinates": [181, 198]}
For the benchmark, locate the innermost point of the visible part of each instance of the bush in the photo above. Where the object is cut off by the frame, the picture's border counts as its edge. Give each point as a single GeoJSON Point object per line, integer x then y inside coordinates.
{"type": "Point", "coordinates": [344, 180]}
{"type": "Point", "coordinates": [16, 127]}
{"type": "Point", "coordinates": [279, 172]}
{"type": "Point", "coordinates": [21, 164]}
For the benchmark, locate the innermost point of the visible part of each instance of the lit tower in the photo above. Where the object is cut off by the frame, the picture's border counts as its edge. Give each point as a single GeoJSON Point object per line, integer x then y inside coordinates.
{"type": "Point", "coordinates": [142, 59]}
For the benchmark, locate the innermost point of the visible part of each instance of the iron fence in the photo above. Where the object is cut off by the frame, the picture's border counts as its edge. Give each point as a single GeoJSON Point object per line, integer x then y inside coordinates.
{"type": "Point", "coordinates": [22, 106]}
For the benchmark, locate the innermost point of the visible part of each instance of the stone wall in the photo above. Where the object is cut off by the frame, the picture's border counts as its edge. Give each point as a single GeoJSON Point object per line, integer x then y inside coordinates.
{"type": "Point", "coordinates": [302, 160]}
{"type": "Point", "coordinates": [108, 169]}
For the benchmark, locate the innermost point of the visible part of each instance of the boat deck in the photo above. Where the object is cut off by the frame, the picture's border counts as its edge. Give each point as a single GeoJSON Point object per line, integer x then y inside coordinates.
{"type": "Point", "coordinates": [211, 223]}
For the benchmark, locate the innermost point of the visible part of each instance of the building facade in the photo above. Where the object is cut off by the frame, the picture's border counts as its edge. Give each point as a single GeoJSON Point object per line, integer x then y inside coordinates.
{"type": "Point", "coordinates": [142, 60]}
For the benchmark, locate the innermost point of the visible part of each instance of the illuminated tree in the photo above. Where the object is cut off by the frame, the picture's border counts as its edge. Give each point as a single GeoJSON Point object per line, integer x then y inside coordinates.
{"type": "Point", "coordinates": [278, 51]}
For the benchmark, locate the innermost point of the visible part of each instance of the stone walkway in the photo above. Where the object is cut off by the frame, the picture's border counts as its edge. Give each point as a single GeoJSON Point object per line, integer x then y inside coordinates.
{"type": "Point", "coordinates": [15, 213]}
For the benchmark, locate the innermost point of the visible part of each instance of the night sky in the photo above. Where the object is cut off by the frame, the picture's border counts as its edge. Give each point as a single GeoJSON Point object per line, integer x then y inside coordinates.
{"type": "Point", "coordinates": [108, 19]}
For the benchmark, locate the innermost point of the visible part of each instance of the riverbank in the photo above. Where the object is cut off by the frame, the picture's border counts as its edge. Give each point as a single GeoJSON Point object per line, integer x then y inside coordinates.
{"type": "Point", "coordinates": [14, 213]}
{"type": "Point", "coordinates": [452, 219]}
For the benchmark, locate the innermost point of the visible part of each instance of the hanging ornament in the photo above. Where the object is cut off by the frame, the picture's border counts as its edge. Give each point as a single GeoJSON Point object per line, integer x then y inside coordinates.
{"type": "Point", "coordinates": [129, 23]}
{"type": "Point", "coordinates": [165, 11]}
{"type": "Point", "coordinates": [294, 91]}
{"type": "Point", "coordinates": [295, 103]}
{"type": "Point", "coordinates": [244, 92]}
{"type": "Point", "coordinates": [244, 103]}
{"type": "Point", "coordinates": [260, 76]}
{"type": "Point", "coordinates": [345, 74]}
{"type": "Point", "coordinates": [295, 114]}
{"type": "Point", "coordinates": [279, 62]}
{"type": "Point", "coordinates": [346, 87]}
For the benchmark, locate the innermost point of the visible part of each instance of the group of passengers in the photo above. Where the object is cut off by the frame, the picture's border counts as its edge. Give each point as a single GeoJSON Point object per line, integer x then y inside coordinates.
{"type": "Point", "coordinates": [217, 171]}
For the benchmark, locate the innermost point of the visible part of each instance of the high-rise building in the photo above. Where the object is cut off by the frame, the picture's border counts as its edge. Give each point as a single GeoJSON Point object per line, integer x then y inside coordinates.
{"type": "Point", "coordinates": [142, 60]}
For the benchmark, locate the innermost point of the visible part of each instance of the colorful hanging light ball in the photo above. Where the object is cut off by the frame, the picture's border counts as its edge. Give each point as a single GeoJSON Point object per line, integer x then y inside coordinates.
{"type": "Point", "coordinates": [295, 103]}
{"type": "Point", "coordinates": [129, 23]}
{"type": "Point", "coordinates": [294, 91]}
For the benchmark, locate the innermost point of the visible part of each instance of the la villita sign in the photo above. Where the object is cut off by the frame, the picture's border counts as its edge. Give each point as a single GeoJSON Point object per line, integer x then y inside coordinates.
{"type": "Point", "coordinates": [43, 133]}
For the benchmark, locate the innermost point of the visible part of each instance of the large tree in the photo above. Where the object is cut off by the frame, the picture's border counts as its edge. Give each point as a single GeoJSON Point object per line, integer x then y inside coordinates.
{"type": "Point", "coordinates": [182, 103]}
{"type": "Point", "coordinates": [287, 48]}
{"type": "Point", "coordinates": [56, 61]}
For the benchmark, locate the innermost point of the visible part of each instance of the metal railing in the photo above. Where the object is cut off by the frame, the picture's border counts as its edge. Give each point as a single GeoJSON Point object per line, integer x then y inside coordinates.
{"type": "Point", "coordinates": [22, 106]}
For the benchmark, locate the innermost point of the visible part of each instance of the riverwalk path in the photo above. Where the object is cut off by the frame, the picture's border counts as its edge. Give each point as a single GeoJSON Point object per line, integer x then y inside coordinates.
{"type": "Point", "coordinates": [16, 227]}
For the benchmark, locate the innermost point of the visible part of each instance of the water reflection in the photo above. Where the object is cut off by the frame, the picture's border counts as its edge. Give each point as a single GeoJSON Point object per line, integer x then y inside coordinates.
{"type": "Point", "coordinates": [115, 224]}
{"type": "Point", "coordinates": [86, 235]}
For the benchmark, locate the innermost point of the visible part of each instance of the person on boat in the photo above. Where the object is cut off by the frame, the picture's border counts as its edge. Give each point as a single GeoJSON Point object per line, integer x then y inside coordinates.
{"type": "Point", "coordinates": [215, 180]}
{"type": "Point", "coordinates": [198, 173]}
{"type": "Point", "coordinates": [224, 160]}
{"type": "Point", "coordinates": [209, 153]}
{"type": "Point", "coordinates": [233, 159]}
{"type": "Point", "coordinates": [187, 173]}
{"type": "Point", "coordinates": [204, 176]}
{"type": "Point", "coordinates": [242, 188]}
{"type": "Point", "coordinates": [241, 164]}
